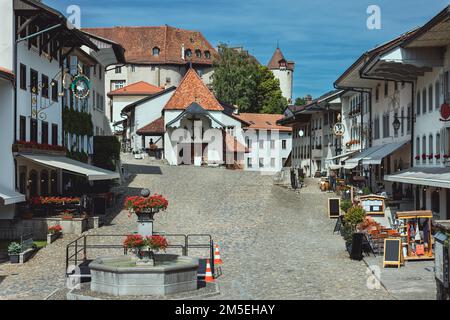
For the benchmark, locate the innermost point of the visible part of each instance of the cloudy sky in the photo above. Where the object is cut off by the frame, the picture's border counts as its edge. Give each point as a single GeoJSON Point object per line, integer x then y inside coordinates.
{"type": "Point", "coordinates": [323, 37]}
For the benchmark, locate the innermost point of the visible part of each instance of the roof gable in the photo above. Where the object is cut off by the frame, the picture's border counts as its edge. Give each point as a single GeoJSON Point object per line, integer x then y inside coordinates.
{"type": "Point", "coordinates": [192, 89]}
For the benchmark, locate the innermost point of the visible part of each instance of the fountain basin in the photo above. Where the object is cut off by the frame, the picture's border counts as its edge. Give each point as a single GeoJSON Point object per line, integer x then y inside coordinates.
{"type": "Point", "coordinates": [120, 276]}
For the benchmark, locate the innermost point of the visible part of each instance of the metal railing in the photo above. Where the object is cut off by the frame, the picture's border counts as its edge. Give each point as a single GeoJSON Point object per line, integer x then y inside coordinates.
{"type": "Point", "coordinates": [80, 247]}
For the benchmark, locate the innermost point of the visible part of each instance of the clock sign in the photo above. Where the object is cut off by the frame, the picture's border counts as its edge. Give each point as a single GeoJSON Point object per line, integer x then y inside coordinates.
{"type": "Point", "coordinates": [339, 129]}
{"type": "Point", "coordinates": [81, 86]}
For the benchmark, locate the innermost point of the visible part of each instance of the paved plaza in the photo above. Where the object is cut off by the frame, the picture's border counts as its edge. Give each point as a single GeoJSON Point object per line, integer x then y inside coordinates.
{"type": "Point", "coordinates": [275, 243]}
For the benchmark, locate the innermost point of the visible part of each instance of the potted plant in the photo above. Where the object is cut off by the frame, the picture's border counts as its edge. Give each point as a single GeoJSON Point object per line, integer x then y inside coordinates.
{"type": "Point", "coordinates": [14, 250]}
{"type": "Point", "coordinates": [146, 207]}
{"type": "Point", "coordinates": [54, 229]}
{"type": "Point", "coordinates": [143, 248]}
{"type": "Point", "coordinates": [156, 243]}
{"type": "Point", "coordinates": [354, 216]}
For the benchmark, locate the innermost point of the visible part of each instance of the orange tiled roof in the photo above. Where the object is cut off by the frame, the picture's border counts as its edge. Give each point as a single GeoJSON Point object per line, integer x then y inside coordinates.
{"type": "Point", "coordinates": [136, 89]}
{"type": "Point", "coordinates": [140, 41]}
{"type": "Point", "coordinates": [263, 121]}
{"type": "Point", "coordinates": [192, 89]}
{"type": "Point", "coordinates": [154, 127]}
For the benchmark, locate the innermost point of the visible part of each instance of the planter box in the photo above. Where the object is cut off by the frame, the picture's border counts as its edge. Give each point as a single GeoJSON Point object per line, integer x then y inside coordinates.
{"type": "Point", "coordinates": [24, 149]}
{"type": "Point", "coordinates": [94, 222]}
{"type": "Point", "coordinates": [14, 258]}
{"type": "Point", "coordinates": [51, 237]}
{"type": "Point", "coordinates": [26, 255]}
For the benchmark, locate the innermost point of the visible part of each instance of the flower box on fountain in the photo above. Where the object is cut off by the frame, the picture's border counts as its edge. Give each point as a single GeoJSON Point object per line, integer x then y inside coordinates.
{"type": "Point", "coordinates": [145, 207]}
{"type": "Point", "coordinates": [142, 274]}
{"type": "Point", "coordinates": [145, 243]}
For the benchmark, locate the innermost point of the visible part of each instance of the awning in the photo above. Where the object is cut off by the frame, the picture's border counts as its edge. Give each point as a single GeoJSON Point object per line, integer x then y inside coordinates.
{"type": "Point", "coordinates": [10, 197]}
{"type": "Point", "coordinates": [342, 155]}
{"type": "Point", "coordinates": [377, 156]}
{"type": "Point", "coordinates": [349, 166]}
{"type": "Point", "coordinates": [433, 177]}
{"type": "Point", "coordinates": [363, 154]}
{"type": "Point", "coordinates": [335, 166]}
{"type": "Point", "coordinates": [61, 162]}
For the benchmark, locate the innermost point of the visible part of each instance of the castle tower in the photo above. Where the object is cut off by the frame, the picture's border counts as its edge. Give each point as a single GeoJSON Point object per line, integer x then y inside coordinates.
{"type": "Point", "coordinates": [283, 70]}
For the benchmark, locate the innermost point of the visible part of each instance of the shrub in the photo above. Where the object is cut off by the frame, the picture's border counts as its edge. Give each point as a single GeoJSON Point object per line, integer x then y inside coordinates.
{"type": "Point", "coordinates": [355, 215]}
{"type": "Point", "coordinates": [366, 191]}
{"type": "Point", "coordinates": [347, 233]}
{"type": "Point", "coordinates": [345, 205]}
{"type": "Point", "coordinates": [14, 248]}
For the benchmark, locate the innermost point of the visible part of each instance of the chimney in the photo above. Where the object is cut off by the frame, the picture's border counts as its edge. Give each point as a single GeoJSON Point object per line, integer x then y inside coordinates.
{"type": "Point", "coordinates": [308, 98]}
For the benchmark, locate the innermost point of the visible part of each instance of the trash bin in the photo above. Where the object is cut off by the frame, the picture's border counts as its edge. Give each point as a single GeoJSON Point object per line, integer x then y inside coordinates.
{"type": "Point", "coordinates": [357, 246]}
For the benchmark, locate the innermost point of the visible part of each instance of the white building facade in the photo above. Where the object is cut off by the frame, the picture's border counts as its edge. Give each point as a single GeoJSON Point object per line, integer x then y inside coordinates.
{"type": "Point", "coordinates": [43, 54]}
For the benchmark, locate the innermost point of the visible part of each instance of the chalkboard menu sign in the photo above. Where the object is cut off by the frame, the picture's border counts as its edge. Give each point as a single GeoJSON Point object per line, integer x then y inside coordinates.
{"type": "Point", "coordinates": [373, 205]}
{"type": "Point", "coordinates": [334, 208]}
{"type": "Point", "coordinates": [392, 252]}
{"type": "Point", "coordinates": [337, 227]}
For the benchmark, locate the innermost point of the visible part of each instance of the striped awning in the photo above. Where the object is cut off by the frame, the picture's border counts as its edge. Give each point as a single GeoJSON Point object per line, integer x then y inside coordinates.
{"type": "Point", "coordinates": [433, 177]}
{"type": "Point", "coordinates": [90, 172]}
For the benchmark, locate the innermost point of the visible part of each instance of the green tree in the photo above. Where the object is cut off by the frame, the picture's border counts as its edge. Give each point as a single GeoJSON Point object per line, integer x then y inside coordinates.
{"type": "Point", "coordinates": [240, 80]}
{"type": "Point", "coordinates": [271, 98]}
{"type": "Point", "coordinates": [300, 101]}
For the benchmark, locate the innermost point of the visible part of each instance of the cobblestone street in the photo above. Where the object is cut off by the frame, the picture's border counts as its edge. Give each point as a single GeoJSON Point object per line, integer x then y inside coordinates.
{"type": "Point", "coordinates": [275, 244]}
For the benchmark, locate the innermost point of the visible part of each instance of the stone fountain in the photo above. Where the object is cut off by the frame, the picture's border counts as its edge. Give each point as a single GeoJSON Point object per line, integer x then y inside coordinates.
{"type": "Point", "coordinates": [144, 273]}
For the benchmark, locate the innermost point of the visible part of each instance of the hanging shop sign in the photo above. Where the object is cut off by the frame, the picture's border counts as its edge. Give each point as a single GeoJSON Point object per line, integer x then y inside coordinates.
{"type": "Point", "coordinates": [339, 129]}
{"type": "Point", "coordinates": [445, 112]}
{"type": "Point", "coordinates": [81, 86]}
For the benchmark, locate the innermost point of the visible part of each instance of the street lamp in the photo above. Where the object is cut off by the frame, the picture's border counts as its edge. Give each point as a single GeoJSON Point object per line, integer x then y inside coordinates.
{"type": "Point", "coordinates": [396, 124]}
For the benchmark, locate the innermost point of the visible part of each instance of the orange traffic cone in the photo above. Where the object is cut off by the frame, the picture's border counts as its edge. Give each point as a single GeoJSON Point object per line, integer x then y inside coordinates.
{"type": "Point", "coordinates": [208, 276]}
{"type": "Point", "coordinates": [217, 258]}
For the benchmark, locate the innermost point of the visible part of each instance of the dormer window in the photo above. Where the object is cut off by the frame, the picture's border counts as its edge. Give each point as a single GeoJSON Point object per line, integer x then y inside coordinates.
{"type": "Point", "coordinates": [156, 51]}
{"type": "Point", "coordinates": [188, 53]}
{"type": "Point", "coordinates": [207, 55]}
{"type": "Point", "coordinates": [198, 53]}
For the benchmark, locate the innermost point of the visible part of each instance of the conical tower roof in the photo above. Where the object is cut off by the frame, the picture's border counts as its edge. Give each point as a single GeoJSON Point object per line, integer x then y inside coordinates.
{"type": "Point", "coordinates": [277, 61]}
